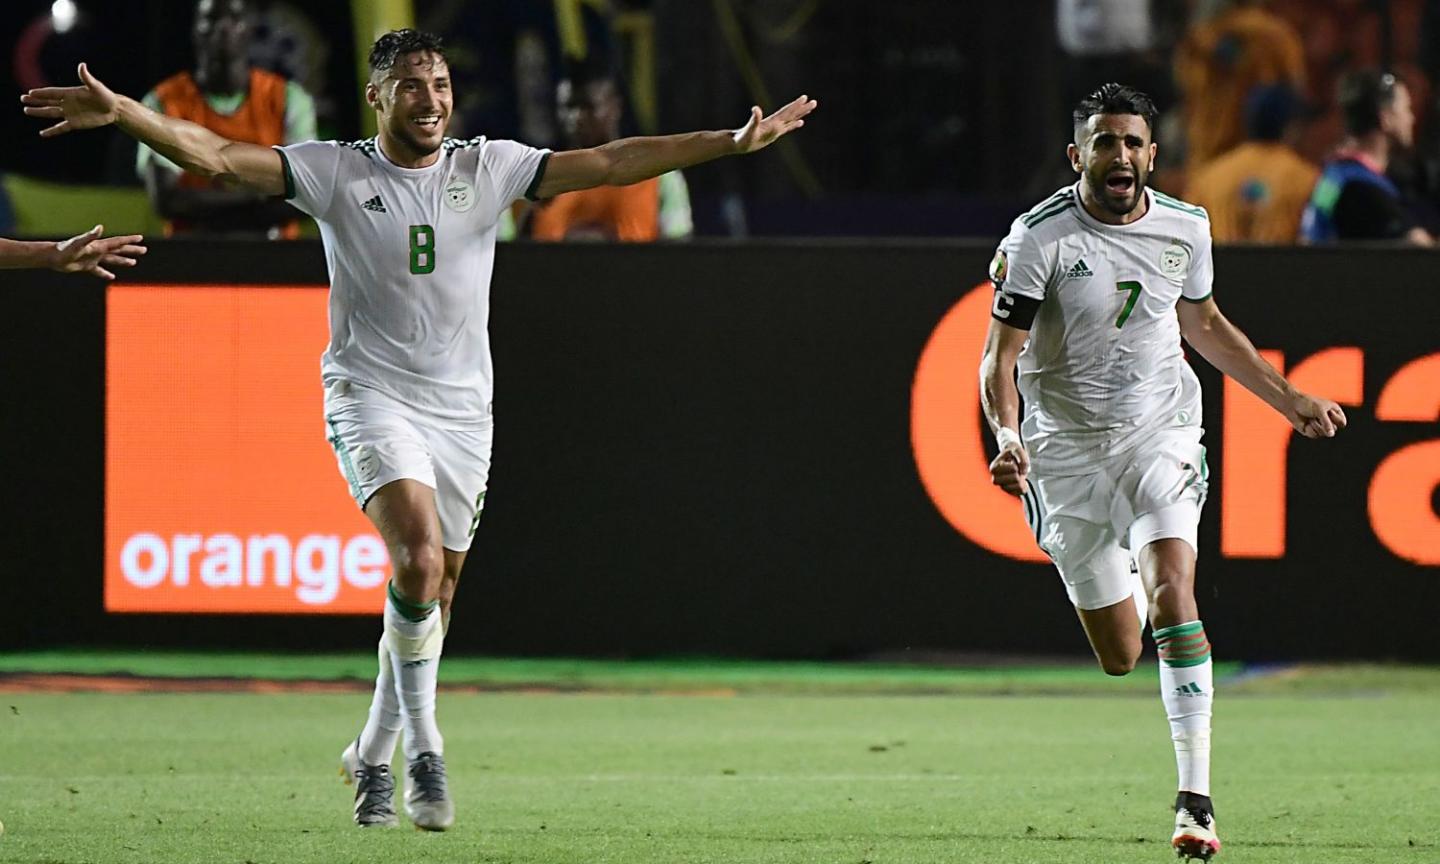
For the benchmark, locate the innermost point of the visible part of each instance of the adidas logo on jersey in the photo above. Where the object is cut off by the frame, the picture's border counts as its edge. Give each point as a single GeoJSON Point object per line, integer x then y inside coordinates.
{"type": "Point", "coordinates": [1079, 271]}
{"type": "Point", "coordinates": [375, 205]}
{"type": "Point", "coordinates": [1191, 689]}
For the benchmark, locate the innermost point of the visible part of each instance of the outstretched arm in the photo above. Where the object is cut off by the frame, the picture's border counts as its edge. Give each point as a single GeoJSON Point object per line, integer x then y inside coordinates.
{"type": "Point", "coordinates": [189, 145]}
{"type": "Point", "coordinates": [83, 253]}
{"type": "Point", "coordinates": [1000, 401]}
{"type": "Point", "coordinates": [217, 209]}
{"type": "Point", "coordinates": [630, 160]}
{"type": "Point", "coordinates": [1227, 349]}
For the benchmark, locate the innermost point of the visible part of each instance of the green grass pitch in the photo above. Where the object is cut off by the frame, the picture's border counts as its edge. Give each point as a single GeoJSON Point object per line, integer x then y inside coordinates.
{"type": "Point", "coordinates": [753, 763]}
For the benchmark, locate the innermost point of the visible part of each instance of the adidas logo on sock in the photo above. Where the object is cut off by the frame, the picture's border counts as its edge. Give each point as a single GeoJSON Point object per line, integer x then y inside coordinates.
{"type": "Point", "coordinates": [1191, 689]}
{"type": "Point", "coordinates": [1079, 271]}
{"type": "Point", "coordinates": [375, 205]}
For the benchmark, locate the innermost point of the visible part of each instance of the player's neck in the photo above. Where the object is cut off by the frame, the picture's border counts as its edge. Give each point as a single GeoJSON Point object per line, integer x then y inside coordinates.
{"type": "Point", "coordinates": [1374, 147]}
{"type": "Point", "coordinates": [402, 155]}
{"type": "Point", "coordinates": [224, 79]}
{"type": "Point", "coordinates": [1101, 213]}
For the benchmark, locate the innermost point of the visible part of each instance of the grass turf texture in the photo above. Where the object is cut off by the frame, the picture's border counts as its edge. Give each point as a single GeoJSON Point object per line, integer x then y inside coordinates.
{"type": "Point", "coordinates": [1334, 765]}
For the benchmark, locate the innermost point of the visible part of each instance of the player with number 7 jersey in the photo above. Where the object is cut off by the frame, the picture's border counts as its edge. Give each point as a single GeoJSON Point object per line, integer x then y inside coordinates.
{"type": "Point", "coordinates": [1094, 288]}
{"type": "Point", "coordinates": [408, 220]}
{"type": "Point", "coordinates": [1103, 366]}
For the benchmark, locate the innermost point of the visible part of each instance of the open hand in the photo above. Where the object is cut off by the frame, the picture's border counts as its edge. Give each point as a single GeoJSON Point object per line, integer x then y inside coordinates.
{"type": "Point", "coordinates": [759, 132]}
{"type": "Point", "coordinates": [85, 107]}
{"type": "Point", "coordinates": [89, 253]}
{"type": "Point", "coordinates": [1316, 418]}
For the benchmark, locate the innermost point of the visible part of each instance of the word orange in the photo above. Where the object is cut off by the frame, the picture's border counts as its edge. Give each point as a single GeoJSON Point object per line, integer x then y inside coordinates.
{"type": "Point", "coordinates": [221, 493]}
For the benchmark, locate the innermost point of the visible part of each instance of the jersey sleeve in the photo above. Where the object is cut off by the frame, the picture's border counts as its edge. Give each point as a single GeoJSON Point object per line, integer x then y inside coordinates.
{"type": "Point", "coordinates": [1200, 278]}
{"type": "Point", "coordinates": [516, 169]}
{"type": "Point", "coordinates": [1020, 271]}
{"type": "Point", "coordinates": [312, 170]}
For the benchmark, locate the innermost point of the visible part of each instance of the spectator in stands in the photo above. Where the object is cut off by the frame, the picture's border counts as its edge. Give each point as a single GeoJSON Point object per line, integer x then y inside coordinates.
{"type": "Point", "coordinates": [1220, 61]}
{"type": "Point", "coordinates": [83, 253]}
{"type": "Point", "coordinates": [1256, 192]}
{"type": "Point", "coordinates": [1354, 200]}
{"type": "Point", "coordinates": [244, 103]}
{"type": "Point", "coordinates": [590, 107]}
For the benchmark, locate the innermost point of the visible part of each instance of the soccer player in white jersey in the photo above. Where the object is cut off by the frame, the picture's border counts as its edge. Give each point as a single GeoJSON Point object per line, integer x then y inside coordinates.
{"type": "Point", "coordinates": [408, 220]}
{"type": "Point", "coordinates": [1094, 289]}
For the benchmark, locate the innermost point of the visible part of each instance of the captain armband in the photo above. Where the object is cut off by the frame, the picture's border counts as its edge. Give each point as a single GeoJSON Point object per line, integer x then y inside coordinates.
{"type": "Point", "coordinates": [1016, 310]}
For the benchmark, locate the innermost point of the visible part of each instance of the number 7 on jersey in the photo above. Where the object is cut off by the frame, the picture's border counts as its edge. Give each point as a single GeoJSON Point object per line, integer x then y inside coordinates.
{"type": "Point", "coordinates": [1134, 289]}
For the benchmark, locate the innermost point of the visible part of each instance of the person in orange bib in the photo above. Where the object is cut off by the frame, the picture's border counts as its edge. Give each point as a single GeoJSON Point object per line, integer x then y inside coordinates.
{"type": "Point", "coordinates": [226, 95]}
{"type": "Point", "coordinates": [590, 108]}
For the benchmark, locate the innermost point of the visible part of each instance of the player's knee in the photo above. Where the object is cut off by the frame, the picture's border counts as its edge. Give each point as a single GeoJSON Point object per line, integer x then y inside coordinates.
{"type": "Point", "coordinates": [1119, 666]}
{"type": "Point", "coordinates": [418, 569]}
{"type": "Point", "coordinates": [1173, 599]}
{"type": "Point", "coordinates": [1120, 659]}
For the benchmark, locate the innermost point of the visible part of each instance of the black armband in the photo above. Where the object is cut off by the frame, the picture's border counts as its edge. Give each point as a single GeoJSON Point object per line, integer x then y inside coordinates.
{"type": "Point", "coordinates": [1016, 310]}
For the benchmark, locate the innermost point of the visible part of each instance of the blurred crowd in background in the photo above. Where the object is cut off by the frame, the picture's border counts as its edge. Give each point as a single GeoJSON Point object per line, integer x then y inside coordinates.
{"type": "Point", "coordinates": [1291, 120]}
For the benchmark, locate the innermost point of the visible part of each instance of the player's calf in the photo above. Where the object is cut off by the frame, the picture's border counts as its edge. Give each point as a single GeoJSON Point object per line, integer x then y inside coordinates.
{"type": "Point", "coordinates": [1113, 636]}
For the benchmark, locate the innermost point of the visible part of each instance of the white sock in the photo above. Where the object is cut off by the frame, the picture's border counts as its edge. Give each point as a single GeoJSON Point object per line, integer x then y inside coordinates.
{"type": "Point", "coordinates": [382, 728]}
{"type": "Point", "coordinates": [415, 658]}
{"type": "Point", "coordinates": [1189, 695]}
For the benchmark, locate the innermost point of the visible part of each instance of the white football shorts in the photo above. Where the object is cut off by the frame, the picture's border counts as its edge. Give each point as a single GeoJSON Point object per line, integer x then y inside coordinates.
{"type": "Point", "coordinates": [1092, 525]}
{"type": "Point", "coordinates": [378, 440]}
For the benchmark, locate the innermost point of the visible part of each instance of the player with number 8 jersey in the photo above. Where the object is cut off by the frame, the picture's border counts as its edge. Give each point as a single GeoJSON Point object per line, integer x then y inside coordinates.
{"type": "Point", "coordinates": [410, 253]}
{"type": "Point", "coordinates": [408, 220]}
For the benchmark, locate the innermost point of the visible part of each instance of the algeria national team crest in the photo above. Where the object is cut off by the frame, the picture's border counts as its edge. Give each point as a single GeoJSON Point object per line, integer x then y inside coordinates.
{"type": "Point", "coordinates": [1174, 260]}
{"type": "Point", "coordinates": [459, 195]}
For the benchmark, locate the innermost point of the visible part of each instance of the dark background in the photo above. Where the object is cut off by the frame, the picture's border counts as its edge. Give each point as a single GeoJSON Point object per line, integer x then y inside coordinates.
{"type": "Point", "coordinates": [705, 449]}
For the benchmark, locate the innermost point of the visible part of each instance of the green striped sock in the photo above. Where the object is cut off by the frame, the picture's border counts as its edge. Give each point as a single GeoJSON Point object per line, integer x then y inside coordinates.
{"type": "Point", "coordinates": [1182, 645]}
{"type": "Point", "coordinates": [409, 611]}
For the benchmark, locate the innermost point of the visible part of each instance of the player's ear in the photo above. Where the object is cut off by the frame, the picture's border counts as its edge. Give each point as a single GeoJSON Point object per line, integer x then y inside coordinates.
{"type": "Point", "coordinates": [372, 95]}
{"type": "Point", "coordinates": [1073, 153]}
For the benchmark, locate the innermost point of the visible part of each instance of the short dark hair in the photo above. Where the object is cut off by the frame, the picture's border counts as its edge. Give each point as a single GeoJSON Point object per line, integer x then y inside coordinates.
{"type": "Point", "coordinates": [1363, 95]}
{"type": "Point", "coordinates": [397, 43]}
{"type": "Point", "coordinates": [1269, 109]}
{"type": "Point", "coordinates": [594, 69]}
{"type": "Point", "coordinates": [1115, 98]}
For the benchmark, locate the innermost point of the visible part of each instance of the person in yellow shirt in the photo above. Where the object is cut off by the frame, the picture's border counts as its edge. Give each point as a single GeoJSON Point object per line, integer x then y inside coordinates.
{"type": "Point", "coordinates": [1256, 192]}
{"type": "Point", "coordinates": [1218, 64]}
{"type": "Point", "coordinates": [590, 107]}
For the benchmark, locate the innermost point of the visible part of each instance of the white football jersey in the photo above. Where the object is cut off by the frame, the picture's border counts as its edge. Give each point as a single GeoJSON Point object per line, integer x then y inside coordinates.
{"type": "Point", "coordinates": [410, 253]}
{"type": "Point", "coordinates": [1103, 365]}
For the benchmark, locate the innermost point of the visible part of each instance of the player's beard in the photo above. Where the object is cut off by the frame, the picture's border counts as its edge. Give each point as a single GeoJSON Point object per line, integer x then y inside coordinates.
{"type": "Point", "coordinates": [1119, 204]}
{"type": "Point", "coordinates": [421, 146]}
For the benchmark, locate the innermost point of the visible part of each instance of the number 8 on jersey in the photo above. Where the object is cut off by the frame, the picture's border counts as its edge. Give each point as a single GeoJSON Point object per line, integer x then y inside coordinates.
{"type": "Point", "coordinates": [422, 249]}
